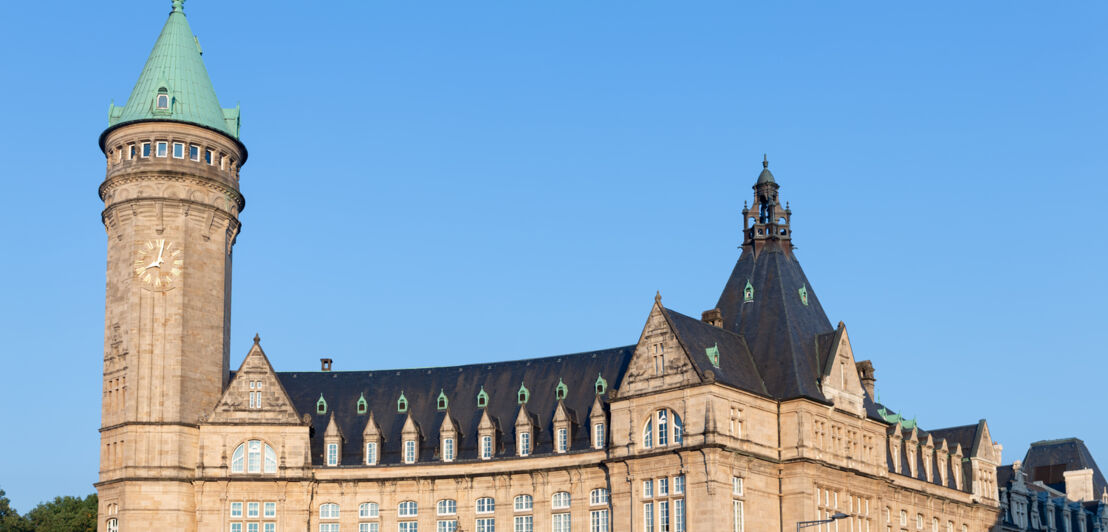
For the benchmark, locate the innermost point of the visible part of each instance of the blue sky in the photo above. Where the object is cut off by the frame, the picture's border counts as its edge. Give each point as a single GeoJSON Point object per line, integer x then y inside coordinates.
{"type": "Point", "coordinates": [441, 183]}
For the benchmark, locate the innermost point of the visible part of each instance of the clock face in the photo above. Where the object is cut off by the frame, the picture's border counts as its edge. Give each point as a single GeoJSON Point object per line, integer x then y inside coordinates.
{"type": "Point", "coordinates": [158, 264]}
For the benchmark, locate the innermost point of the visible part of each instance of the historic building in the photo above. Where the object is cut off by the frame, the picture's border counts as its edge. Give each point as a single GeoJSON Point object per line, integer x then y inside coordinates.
{"type": "Point", "coordinates": [1057, 487]}
{"type": "Point", "coordinates": [752, 417]}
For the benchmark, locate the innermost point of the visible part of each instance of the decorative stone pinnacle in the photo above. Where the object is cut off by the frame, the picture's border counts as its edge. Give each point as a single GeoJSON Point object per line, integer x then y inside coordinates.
{"type": "Point", "coordinates": [257, 339]}
{"type": "Point", "coordinates": [178, 6]}
{"type": "Point", "coordinates": [658, 296]}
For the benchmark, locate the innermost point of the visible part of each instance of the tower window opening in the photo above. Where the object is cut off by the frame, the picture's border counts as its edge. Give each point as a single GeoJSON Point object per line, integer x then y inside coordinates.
{"type": "Point", "coordinates": [162, 149]}
{"type": "Point", "coordinates": [130, 151]}
{"type": "Point", "coordinates": [209, 156]}
{"type": "Point", "coordinates": [163, 100]}
{"type": "Point", "coordinates": [178, 150]}
{"type": "Point", "coordinates": [145, 149]}
{"type": "Point", "coordinates": [194, 152]}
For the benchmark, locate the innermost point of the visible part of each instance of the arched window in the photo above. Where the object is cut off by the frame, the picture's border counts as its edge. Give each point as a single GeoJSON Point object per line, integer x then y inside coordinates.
{"type": "Point", "coordinates": [368, 510]}
{"type": "Point", "coordinates": [560, 500]}
{"type": "Point", "coordinates": [486, 505]}
{"type": "Point", "coordinates": [329, 511]}
{"type": "Point", "coordinates": [248, 458]}
{"type": "Point", "coordinates": [447, 507]}
{"type": "Point", "coordinates": [163, 99]}
{"type": "Point", "coordinates": [598, 496]}
{"type": "Point", "coordinates": [524, 503]}
{"type": "Point", "coordinates": [664, 427]}
{"type": "Point", "coordinates": [407, 509]}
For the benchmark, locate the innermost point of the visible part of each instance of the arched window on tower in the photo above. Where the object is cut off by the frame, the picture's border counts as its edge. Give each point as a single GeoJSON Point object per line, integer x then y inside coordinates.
{"type": "Point", "coordinates": [162, 100]}
{"type": "Point", "coordinates": [664, 427]}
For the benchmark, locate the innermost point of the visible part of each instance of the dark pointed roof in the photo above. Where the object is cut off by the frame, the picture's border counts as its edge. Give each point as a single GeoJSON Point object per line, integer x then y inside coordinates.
{"type": "Point", "coordinates": [782, 331]}
{"type": "Point", "coordinates": [1047, 460]}
{"type": "Point", "coordinates": [736, 365]}
{"type": "Point", "coordinates": [461, 384]}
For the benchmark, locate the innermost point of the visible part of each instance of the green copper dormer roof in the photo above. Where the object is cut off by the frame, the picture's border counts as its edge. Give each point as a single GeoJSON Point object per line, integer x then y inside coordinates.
{"type": "Point", "coordinates": [176, 70]}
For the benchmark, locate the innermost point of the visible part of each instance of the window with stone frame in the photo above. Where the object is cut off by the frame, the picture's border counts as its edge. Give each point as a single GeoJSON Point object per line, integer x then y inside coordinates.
{"type": "Point", "coordinates": [254, 456]}
{"type": "Point", "coordinates": [663, 428]}
{"type": "Point", "coordinates": [664, 504]}
{"type": "Point", "coordinates": [253, 516]}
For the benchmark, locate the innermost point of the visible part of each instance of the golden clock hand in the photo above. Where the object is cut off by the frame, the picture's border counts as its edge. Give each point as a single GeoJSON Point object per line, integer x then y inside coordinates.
{"type": "Point", "coordinates": [161, 247]}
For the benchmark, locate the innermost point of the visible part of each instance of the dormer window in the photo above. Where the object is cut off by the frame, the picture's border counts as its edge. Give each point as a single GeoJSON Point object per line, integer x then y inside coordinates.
{"type": "Point", "coordinates": [362, 404]}
{"type": "Point", "coordinates": [162, 101]}
{"type": "Point", "coordinates": [560, 390]}
{"type": "Point", "coordinates": [601, 384]}
{"type": "Point", "coordinates": [321, 405]}
{"type": "Point", "coordinates": [443, 402]}
{"type": "Point", "coordinates": [482, 398]}
{"type": "Point", "coordinates": [402, 404]}
{"type": "Point", "coordinates": [523, 394]}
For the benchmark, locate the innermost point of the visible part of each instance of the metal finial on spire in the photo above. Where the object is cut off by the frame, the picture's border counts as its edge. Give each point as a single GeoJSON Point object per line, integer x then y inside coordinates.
{"type": "Point", "coordinates": [765, 161]}
{"type": "Point", "coordinates": [178, 6]}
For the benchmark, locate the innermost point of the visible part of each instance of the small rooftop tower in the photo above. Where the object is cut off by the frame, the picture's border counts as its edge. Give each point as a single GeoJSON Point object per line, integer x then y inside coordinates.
{"type": "Point", "coordinates": [766, 220]}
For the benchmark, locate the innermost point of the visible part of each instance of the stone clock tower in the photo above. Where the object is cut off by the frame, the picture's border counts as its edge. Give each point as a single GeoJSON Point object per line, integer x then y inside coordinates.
{"type": "Point", "coordinates": [171, 205]}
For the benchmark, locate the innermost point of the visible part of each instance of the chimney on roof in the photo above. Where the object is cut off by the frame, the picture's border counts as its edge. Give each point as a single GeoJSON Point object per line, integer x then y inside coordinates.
{"type": "Point", "coordinates": [712, 317]}
{"type": "Point", "coordinates": [867, 375]}
{"type": "Point", "coordinates": [1079, 485]}
{"type": "Point", "coordinates": [325, 364]}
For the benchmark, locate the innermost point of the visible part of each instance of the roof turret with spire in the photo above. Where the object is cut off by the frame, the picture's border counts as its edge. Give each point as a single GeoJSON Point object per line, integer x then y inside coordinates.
{"type": "Point", "coordinates": [174, 85]}
{"type": "Point", "coordinates": [769, 300]}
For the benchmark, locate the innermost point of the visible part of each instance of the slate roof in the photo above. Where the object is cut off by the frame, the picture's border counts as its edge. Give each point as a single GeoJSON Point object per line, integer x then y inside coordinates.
{"type": "Point", "coordinates": [1046, 460]}
{"type": "Point", "coordinates": [737, 367]}
{"type": "Point", "coordinates": [461, 384]}
{"type": "Point", "coordinates": [781, 331]}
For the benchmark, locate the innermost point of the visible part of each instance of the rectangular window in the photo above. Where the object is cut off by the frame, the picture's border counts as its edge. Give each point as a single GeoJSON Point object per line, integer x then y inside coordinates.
{"type": "Point", "coordinates": [486, 524]}
{"type": "Point", "coordinates": [448, 449]}
{"type": "Point", "coordinates": [524, 523]}
{"type": "Point", "coordinates": [647, 489]}
{"type": "Point", "coordinates": [270, 509]}
{"type": "Point", "coordinates": [663, 487]}
{"type": "Point", "coordinates": [369, 527]}
{"type": "Point", "coordinates": [598, 435]}
{"type": "Point", "coordinates": [524, 443]}
{"type": "Point", "coordinates": [737, 516]}
{"type": "Point", "coordinates": [178, 150]}
{"type": "Point", "coordinates": [486, 447]}
{"type": "Point", "coordinates": [145, 149]}
{"type": "Point", "coordinates": [253, 509]}
{"type": "Point", "coordinates": [194, 152]}
{"type": "Point", "coordinates": [222, 162]}
{"type": "Point", "coordinates": [236, 509]}
{"type": "Point", "coordinates": [332, 454]}
{"type": "Point", "coordinates": [737, 487]}
{"type": "Point", "coordinates": [446, 526]}
{"type": "Point", "coordinates": [409, 451]}
{"type": "Point", "coordinates": [561, 523]}
{"type": "Point", "coordinates": [648, 517]}
{"type": "Point", "coordinates": [251, 527]}
{"type": "Point", "coordinates": [130, 151]}
{"type": "Point", "coordinates": [679, 485]}
{"type": "Point", "coordinates": [405, 526]}
{"type": "Point", "coordinates": [236, 527]}
{"type": "Point", "coordinates": [563, 440]}
{"type": "Point", "coordinates": [598, 520]}
{"type": "Point", "coordinates": [663, 516]}
{"type": "Point", "coordinates": [270, 527]}
{"type": "Point", "coordinates": [371, 453]}
{"type": "Point", "coordinates": [162, 149]}
{"type": "Point", "coordinates": [208, 156]}
{"type": "Point", "coordinates": [679, 515]}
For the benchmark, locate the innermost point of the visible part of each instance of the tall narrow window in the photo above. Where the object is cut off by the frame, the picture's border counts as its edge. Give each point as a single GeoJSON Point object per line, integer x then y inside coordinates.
{"type": "Point", "coordinates": [524, 443]}
{"type": "Point", "coordinates": [648, 435]}
{"type": "Point", "coordinates": [679, 515]}
{"type": "Point", "coordinates": [598, 435]}
{"type": "Point", "coordinates": [648, 516]}
{"type": "Point", "coordinates": [332, 454]}
{"type": "Point", "coordinates": [371, 453]}
{"type": "Point", "coordinates": [145, 149]}
{"type": "Point", "coordinates": [178, 150]}
{"type": "Point", "coordinates": [486, 447]}
{"type": "Point", "coordinates": [409, 451]}
{"type": "Point", "coordinates": [563, 440]}
{"type": "Point", "coordinates": [209, 156]}
{"type": "Point", "coordinates": [448, 449]}
{"type": "Point", "coordinates": [194, 152]}
{"type": "Point", "coordinates": [162, 149]}
{"type": "Point", "coordinates": [663, 426]}
{"type": "Point", "coordinates": [598, 520]}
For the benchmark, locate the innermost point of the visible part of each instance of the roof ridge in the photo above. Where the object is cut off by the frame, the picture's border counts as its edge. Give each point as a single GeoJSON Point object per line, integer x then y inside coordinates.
{"type": "Point", "coordinates": [474, 364]}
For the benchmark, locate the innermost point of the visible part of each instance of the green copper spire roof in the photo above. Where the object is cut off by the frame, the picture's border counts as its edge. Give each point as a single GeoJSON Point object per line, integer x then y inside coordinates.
{"type": "Point", "coordinates": [176, 71]}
